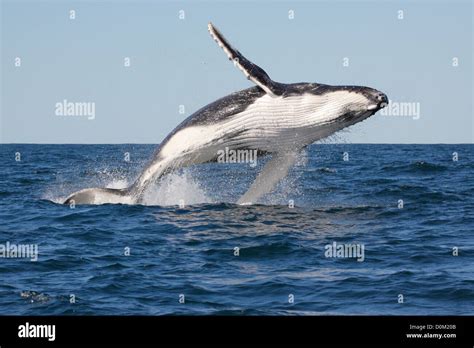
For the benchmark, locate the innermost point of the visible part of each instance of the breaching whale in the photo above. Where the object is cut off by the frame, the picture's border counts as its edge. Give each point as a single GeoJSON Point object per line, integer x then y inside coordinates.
{"type": "Point", "coordinates": [273, 118]}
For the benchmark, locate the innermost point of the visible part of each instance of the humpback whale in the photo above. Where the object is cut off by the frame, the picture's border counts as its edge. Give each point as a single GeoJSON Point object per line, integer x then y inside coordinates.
{"type": "Point", "coordinates": [273, 118]}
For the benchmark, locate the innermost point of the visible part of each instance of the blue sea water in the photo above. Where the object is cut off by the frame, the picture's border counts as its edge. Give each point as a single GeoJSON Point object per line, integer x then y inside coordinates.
{"type": "Point", "coordinates": [190, 250]}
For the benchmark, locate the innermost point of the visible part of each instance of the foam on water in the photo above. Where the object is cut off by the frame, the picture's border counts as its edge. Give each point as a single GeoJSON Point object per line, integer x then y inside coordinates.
{"type": "Point", "coordinates": [117, 184]}
{"type": "Point", "coordinates": [183, 187]}
{"type": "Point", "coordinates": [173, 189]}
{"type": "Point", "coordinates": [176, 189]}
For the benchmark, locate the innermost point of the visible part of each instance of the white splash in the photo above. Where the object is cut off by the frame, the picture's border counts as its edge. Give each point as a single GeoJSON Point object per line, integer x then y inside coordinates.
{"type": "Point", "coordinates": [117, 184]}
{"type": "Point", "coordinates": [176, 189]}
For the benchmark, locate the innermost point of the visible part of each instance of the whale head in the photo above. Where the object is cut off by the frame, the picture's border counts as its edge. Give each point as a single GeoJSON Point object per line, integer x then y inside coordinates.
{"type": "Point", "coordinates": [338, 107]}
{"type": "Point", "coordinates": [358, 100]}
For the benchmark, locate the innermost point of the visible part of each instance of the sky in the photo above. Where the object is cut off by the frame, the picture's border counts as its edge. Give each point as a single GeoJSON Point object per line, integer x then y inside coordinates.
{"type": "Point", "coordinates": [418, 52]}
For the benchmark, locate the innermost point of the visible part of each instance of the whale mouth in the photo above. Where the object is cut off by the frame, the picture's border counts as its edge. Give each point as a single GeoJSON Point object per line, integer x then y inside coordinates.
{"type": "Point", "coordinates": [377, 106]}
{"type": "Point", "coordinates": [372, 107]}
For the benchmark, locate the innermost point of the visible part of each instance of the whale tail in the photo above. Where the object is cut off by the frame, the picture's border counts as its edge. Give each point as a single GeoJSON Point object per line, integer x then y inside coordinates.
{"type": "Point", "coordinates": [101, 196]}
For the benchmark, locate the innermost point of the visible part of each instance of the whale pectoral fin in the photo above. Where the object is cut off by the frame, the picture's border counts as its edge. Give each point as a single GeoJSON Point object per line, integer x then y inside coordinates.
{"type": "Point", "coordinates": [273, 171]}
{"type": "Point", "coordinates": [252, 71]}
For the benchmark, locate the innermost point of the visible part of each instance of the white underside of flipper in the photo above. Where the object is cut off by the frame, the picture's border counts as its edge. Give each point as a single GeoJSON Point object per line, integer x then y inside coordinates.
{"type": "Point", "coordinates": [273, 171]}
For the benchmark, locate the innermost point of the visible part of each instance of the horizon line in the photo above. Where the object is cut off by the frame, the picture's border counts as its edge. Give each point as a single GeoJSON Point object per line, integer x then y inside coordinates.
{"type": "Point", "coordinates": [131, 143]}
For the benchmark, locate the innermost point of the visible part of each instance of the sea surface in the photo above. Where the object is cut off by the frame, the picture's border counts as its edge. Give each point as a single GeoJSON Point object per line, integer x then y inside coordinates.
{"type": "Point", "coordinates": [191, 250]}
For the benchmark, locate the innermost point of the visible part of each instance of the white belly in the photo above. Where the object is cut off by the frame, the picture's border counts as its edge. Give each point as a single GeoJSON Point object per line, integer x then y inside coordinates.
{"type": "Point", "coordinates": [269, 124]}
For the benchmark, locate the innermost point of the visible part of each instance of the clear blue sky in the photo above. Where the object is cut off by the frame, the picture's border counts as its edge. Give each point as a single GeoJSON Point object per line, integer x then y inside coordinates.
{"type": "Point", "coordinates": [175, 62]}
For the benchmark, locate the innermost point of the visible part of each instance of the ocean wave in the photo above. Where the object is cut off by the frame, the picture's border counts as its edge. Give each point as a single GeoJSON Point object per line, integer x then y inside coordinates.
{"type": "Point", "coordinates": [190, 249]}
{"type": "Point", "coordinates": [418, 167]}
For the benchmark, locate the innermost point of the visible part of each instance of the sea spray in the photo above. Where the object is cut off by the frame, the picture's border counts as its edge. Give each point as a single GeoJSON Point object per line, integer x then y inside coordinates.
{"type": "Point", "coordinates": [178, 188]}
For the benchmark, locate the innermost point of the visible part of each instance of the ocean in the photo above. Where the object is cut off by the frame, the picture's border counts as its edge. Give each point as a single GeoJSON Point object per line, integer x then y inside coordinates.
{"type": "Point", "coordinates": [353, 229]}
